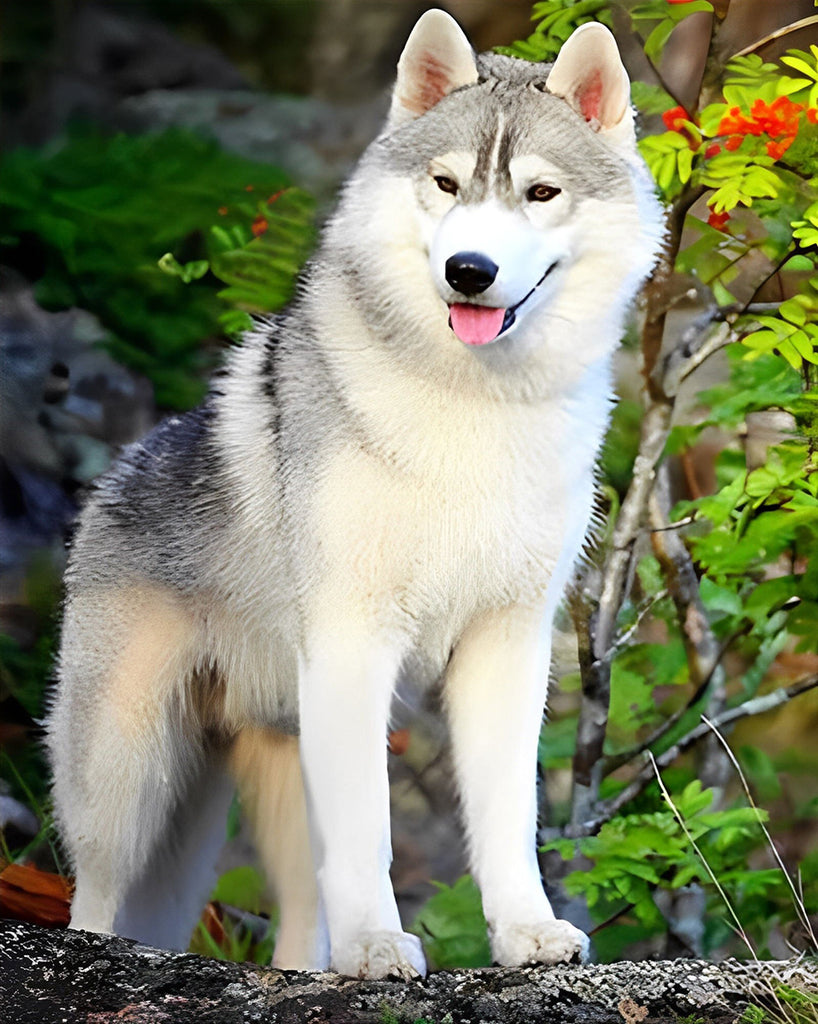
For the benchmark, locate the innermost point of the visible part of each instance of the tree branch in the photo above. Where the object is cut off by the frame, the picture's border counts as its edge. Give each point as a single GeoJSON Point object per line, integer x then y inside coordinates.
{"type": "Point", "coordinates": [756, 706]}
{"type": "Point", "coordinates": [597, 638]}
{"type": "Point", "coordinates": [702, 649]}
{"type": "Point", "coordinates": [597, 632]}
{"type": "Point", "coordinates": [786, 30]}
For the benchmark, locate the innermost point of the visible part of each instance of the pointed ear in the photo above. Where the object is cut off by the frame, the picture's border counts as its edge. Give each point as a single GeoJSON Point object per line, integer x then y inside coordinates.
{"type": "Point", "coordinates": [436, 60]}
{"type": "Point", "coordinates": [588, 74]}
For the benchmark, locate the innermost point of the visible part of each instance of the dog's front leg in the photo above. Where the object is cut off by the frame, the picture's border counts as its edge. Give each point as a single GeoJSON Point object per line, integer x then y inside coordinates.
{"type": "Point", "coordinates": [496, 687]}
{"type": "Point", "coordinates": [345, 691]}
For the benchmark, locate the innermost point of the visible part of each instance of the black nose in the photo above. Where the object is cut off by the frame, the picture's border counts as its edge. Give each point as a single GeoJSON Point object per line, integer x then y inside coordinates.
{"type": "Point", "coordinates": [470, 272]}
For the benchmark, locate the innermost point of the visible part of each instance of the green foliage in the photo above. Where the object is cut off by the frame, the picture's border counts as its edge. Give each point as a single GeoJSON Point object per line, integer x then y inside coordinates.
{"type": "Point", "coordinates": [17, 771]}
{"type": "Point", "coordinates": [762, 514]}
{"type": "Point", "coordinates": [238, 944]}
{"type": "Point", "coordinates": [452, 927]}
{"type": "Point", "coordinates": [621, 444]}
{"type": "Point", "coordinates": [557, 19]}
{"type": "Point", "coordinates": [638, 854]}
{"type": "Point", "coordinates": [753, 1015]}
{"type": "Point", "coordinates": [25, 670]}
{"type": "Point", "coordinates": [784, 1004]}
{"type": "Point", "coordinates": [97, 214]}
{"type": "Point", "coordinates": [243, 888]}
{"type": "Point", "coordinates": [656, 20]}
{"type": "Point", "coordinates": [793, 331]}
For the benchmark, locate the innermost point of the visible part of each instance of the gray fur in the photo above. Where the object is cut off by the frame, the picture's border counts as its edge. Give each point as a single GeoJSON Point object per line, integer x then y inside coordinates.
{"type": "Point", "coordinates": [223, 557]}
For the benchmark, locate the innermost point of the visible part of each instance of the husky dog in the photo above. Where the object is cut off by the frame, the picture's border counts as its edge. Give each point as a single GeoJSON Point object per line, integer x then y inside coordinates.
{"type": "Point", "coordinates": [391, 482]}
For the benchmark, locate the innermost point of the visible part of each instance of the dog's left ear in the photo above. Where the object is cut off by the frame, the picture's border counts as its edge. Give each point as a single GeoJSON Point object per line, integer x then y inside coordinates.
{"type": "Point", "coordinates": [436, 60]}
{"type": "Point", "coordinates": [588, 74]}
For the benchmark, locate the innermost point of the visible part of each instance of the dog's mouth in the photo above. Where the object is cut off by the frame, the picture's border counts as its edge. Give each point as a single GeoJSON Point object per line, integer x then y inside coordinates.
{"type": "Point", "coordinates": [480, 325]}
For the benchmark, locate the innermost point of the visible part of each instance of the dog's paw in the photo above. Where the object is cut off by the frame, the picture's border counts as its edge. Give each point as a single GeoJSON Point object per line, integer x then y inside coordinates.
{"type": "Point", "coordinates": [541, 942]}
{"type": "Point", "coordinates": [381, 955]}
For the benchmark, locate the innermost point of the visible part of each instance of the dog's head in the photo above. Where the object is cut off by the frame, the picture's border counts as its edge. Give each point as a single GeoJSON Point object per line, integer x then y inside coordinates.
{"type": "Point", "coordinates": [523, 175]}
{"type": "Point", "coordinates": [515, 188]}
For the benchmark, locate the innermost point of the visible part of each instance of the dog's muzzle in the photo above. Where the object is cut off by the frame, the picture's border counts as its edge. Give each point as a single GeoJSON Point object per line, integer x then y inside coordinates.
{"type": "Point", "coordinates": [476, 324]}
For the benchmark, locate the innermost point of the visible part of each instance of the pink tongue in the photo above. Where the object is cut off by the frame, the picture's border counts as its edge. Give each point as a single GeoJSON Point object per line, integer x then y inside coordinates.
{"type": "Point", "coordinates": [476, 325]}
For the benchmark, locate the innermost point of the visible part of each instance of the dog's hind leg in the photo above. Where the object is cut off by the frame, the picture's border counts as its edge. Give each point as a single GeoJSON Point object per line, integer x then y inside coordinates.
{"type": "Point", "coordinates": [163, 905]}
{"type": "Point", "coordinates": [122, 746]}
{"type": "Point", "coordinates": [267, 769]}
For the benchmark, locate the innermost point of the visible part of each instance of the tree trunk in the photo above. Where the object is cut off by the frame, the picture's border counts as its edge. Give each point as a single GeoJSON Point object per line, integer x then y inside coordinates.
{"type": "Point", "coordinates": [50, 976]}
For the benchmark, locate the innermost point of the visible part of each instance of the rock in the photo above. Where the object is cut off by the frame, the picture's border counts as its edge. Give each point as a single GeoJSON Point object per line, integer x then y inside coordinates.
{"type": "Point", "coordinates": [51, 976]}
{"type": "Point", "coordinates": [65, 406]}
{"type": "Point", "coordinates": [314, 141]}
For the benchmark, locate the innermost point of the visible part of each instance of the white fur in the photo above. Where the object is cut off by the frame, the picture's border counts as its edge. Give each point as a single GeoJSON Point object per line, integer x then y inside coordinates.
{"type": "Point", "coordinates": [427, 527]}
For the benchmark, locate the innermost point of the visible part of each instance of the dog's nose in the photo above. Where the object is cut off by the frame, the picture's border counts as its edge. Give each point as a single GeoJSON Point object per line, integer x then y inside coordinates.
{"type": "Point", "coordinates": [470, 272]}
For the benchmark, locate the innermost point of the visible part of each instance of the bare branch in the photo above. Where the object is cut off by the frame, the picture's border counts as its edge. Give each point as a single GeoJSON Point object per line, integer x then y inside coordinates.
{"type": "Point", "coordinates": [597, 632]}
{"type": "Point", "coordinates": [614, 761]}
{"type": "Point", "coordinates": [702, 649]}
{"type": "Point", "coordinates": [680, 524]}
{"type": "Point", "coordinates": [656, 293]}
{"type": "Point", "coordinates": [786, 30]}
{"type": "Point", "coordinates": [788, 255]}
{"type": "Point", "coordinates": [756, 706]}
{"type": "Point", "coordinates": [597, 638]}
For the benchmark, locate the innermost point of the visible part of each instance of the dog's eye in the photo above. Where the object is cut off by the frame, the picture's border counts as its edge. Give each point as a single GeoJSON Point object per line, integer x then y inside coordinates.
{"type": "Point", "coordinates": [542, 193]}
{"type": "Point", "coordinates": [446, 184]}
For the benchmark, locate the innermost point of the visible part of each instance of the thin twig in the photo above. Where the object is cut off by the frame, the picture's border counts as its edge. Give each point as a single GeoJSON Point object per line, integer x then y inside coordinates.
{"type": "Point", "coordinates": [614, 761]}
{"type": "Point", "coordinates": [683, 824]}
{"type": "Point", "coordinates": [695, 346]}
{"type": "Point", "coordinates": [800, 909]}
{"type": "Point", "coordinates": [786, 30]}
{"type": "Point", "coordinates": [623, 639]}
{"type": "Point", "coordinates": [779, 266]}
{"type": "Point", "coordinates": [678, 525]}
{"type": "Point", "coordinates": [597, 642]}
{"type": "Point", "coordinates": [751, 708]}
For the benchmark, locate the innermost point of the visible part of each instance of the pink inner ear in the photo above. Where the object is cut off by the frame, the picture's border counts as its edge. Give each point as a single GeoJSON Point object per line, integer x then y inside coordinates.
{"type": "Point", "coordinates": [590, 97]}
{"type": "Point", "coordinates": [431, 84]}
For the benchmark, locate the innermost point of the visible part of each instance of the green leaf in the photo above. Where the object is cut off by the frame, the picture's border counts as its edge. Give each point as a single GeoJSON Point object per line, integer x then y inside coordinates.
{"type": "Point", "coordinates": [693, 799]}
{"type": "Point", "coordinates": [452, 927]}
{"type": "Point", "coordinates": [793, 311]}
{"type": "Point", "coordinates": [241, 887]}
{"type": "Point", "coordinates": [187, 272]}
{"type": "Point", "coordinates": [651, 99]}
{"type": "Point", "coordinates": [801, 65]}
{"type": "Point", "coordinates": [658, 37]}
{"type": "Point", "coordinates": [719, 599]}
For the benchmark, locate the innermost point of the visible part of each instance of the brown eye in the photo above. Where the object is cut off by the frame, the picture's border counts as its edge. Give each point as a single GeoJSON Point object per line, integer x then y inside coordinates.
{"type": "Point", "coordinates": [542, 193]}
{"type": "Point", "coordinates": [446, 184]}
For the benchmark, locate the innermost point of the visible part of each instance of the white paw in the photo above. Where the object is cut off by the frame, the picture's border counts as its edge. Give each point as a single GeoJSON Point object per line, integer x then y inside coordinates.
{"type": "Point", "coordinates": [541, 942]}
{"type": "Point", "coordinates": [381, 955]}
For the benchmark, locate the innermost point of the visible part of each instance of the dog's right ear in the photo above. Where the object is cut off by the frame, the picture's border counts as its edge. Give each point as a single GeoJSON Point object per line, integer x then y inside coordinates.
{"type": "Point", "coordinates": [437, 59]}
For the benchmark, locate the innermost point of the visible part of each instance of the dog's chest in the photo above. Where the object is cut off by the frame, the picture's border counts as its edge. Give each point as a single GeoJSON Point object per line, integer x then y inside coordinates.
{"type": "Point", "coordinates": [481, 517]}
